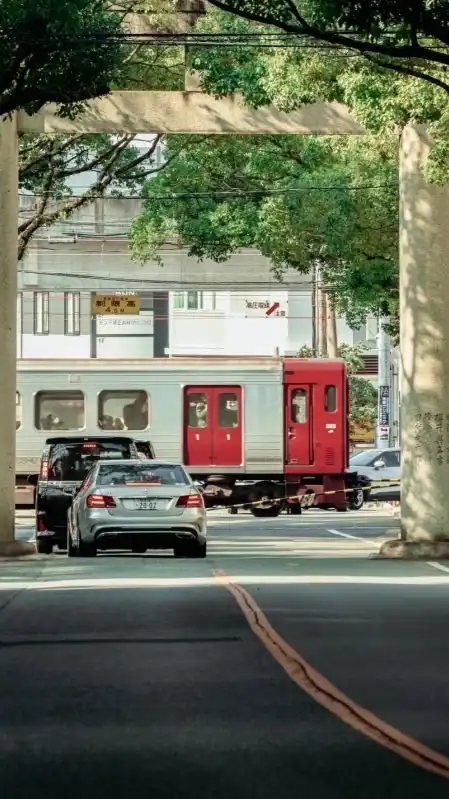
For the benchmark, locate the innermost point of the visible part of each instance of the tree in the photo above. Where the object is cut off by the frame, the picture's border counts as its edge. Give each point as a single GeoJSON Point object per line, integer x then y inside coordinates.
{"type": "Point", "coordinates": [410, 39]}
{"type": "Point", "coordinates": [52, 51]}
{"type": "Point", "coordinates": [379, 72]}
{"type": "Point", "coordinates": [47, 163]}
{"type": "Point", "coordinates": [362, 394]}
{"type": "Point", "coordinates": [297, 200]}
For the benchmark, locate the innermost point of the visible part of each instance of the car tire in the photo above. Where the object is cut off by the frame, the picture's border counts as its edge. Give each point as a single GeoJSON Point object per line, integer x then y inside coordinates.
{"type": "Point", "coordinates": [357, 501]}
{"type": "Point", "coordinates": [44, 546]}
{"type": "Point", "coordinates": [87, 549]}
{"type": "Point", "coordinates": [266, 513]}
{"type": "Point", "coordinates": [72, 551]}
{"type": "Point", "coordinates": [197, 551]}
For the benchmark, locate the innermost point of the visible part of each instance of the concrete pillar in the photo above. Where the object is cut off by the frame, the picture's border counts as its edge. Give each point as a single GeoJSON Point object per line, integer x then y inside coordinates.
{"type": "Point", "coordinates": [9, 195]}
{"type": "Point", "coordinates": [424, 362]}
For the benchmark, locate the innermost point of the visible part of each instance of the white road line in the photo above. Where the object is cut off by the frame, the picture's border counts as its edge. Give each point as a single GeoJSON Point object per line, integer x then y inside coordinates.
{"type": "Point", "coordinates": [437, 566]}
{"type": "Point", "coordinates": [433, 564]}
{"type": "Point", "coordinates": [353, 537]}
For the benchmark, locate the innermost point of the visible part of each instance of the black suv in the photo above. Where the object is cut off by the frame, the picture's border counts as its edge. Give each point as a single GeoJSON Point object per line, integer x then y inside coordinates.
{"type": "Point", "coordinates": [64, 464]}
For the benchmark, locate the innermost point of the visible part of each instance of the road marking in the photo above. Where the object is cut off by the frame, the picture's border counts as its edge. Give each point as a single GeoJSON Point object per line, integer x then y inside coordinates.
{"type": "Point", "coordinates": [437, 566]}
{"type": "Point", "coordinates": [313, 683]}
{"type": "Point", "coordinates": [353, 537]}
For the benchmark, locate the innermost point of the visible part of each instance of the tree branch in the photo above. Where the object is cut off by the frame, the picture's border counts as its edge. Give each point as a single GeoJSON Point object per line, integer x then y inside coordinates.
{"type": "Point", "coordinates": [342, 40]}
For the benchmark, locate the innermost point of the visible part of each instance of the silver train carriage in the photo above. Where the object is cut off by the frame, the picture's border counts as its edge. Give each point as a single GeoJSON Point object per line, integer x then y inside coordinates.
{"type": "Point", "coordinates": [212, 413]}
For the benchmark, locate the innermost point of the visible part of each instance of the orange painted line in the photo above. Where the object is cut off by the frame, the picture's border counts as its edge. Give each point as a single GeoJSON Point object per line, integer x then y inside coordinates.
{"type": "Point", "coordinates": [313, 683]}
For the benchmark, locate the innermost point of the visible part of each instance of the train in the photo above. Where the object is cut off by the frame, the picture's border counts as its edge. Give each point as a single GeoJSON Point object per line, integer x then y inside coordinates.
{"type": "Point", "coordinates": [256, 432]}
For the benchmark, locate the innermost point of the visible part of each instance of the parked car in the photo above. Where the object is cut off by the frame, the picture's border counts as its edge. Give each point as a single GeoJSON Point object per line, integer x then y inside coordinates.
{"type": "Point", "coordinates": [380, 466]}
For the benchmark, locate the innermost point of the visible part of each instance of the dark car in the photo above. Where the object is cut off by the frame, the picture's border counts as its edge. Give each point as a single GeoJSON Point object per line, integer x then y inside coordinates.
{"type": "Point", "coordinates": [65, 463]}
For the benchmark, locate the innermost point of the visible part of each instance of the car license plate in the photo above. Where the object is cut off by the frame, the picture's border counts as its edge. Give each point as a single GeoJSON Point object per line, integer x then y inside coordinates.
{"type": "Point", "coordinates": [145, 504]}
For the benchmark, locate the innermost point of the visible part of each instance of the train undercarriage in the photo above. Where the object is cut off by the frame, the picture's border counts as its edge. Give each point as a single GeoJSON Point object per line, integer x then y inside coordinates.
{"type": "Point", "coordinates": [264, 496]}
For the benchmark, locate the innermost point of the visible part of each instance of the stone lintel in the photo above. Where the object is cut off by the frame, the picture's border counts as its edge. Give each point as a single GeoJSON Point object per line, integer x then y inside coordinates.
{"type": "Point", "coordinates": [191, 112]}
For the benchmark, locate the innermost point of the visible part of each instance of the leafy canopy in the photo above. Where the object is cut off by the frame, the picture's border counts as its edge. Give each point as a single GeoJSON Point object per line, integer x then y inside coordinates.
{"type": "Point", "coordinates": [299, 200]}
{"type": "Point", "coordinates": [53, 51]}
{"type": "Point", "coordinates": [373, 72]}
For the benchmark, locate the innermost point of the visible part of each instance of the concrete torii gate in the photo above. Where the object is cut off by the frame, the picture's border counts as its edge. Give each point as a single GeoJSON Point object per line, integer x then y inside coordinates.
{"type": "Point", "coordinates": [424, 279]}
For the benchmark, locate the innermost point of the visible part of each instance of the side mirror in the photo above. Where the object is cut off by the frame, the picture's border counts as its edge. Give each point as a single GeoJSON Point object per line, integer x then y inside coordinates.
{"type": "Point", "coordinates": [379, 464]}
{"type": "Point", "coordinates": [198, 485]}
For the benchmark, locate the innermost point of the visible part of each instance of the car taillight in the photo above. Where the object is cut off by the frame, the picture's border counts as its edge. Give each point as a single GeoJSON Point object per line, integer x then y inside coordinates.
{"type": "Point", "coordinates": [190, 501]}
{"type": "Point", "coordinates": [90, 445]}
{"type": "Point", "coordinates": [44, 470]}
{"type": "Point", "coordinates": [100, 501]}
{"type": "Point", "coordinates": [41, 524]}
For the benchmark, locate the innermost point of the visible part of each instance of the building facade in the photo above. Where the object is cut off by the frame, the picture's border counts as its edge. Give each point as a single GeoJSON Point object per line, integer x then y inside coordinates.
{"type": "Point", "coordinates": [188, 307]}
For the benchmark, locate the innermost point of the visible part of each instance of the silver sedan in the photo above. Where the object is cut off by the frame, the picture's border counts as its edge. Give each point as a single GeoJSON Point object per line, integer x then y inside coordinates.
{"type": "Point", "coordinates": [137, 505]}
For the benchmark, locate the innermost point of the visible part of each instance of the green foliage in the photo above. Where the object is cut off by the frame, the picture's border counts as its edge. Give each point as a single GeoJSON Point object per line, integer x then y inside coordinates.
{"type": "Point", "coordinates": [385, 92]}
{"type": "Point", "coordinates": [52, 51]}
{"type": "Point", "coordinates": [362, 394]}
{"type": "Point", "coordinates": [297, 200]}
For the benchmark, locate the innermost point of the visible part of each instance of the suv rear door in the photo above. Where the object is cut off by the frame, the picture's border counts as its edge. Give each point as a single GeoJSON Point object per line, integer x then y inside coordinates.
{"type": "Point", "coordinates": [65, 463]}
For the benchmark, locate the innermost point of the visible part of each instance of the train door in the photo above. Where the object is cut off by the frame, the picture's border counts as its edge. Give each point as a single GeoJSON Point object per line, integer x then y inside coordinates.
{"type": "Point", "coordinates": [228, 427]}
{"type": "Point", "coordinates": [198, 425]}
{"type": "Point", "coordinates": [298, 425]}
{"type": "Point", "coordinates": [213, 426]}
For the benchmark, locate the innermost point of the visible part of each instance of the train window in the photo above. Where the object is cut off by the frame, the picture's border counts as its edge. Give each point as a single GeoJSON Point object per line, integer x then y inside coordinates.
{"type": "Point", "coordinates": [228, 410]}
{"type": "Point", "coordinates": [59, 410]}
{"type": "Point", "coordinates": [123, 410]}
{"type": "Point", "coordinates": [330, 399]}
{"type": "Point", "coordinates": [18, 410]}
{"type": "Point", "coordinates": [197, 410]}
{"type": "Point", "coordinates": [299, 405]}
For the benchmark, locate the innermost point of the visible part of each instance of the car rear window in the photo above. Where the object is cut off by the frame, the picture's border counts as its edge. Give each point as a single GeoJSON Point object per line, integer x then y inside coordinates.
{"type": "Point", "coordinates": [71, 461]}
{"type": "Point", "coordinates": [142, 473]}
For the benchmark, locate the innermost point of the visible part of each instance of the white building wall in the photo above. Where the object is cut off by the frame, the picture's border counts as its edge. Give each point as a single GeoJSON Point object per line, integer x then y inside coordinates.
{"type": "Point", "coordinates": [89, 252]}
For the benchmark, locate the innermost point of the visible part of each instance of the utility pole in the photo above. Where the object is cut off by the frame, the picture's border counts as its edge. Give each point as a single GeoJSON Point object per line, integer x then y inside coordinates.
{"type": "Point", "coordinates": [383, 430]}
{"type": "Point", "coordinates": [315, 310]}
{"type": "Point", "coordinates": [322, 318]}
{"type": "Point", "coordinates": [331, 320]}
{"type": "Point", "coordinates": [9, 208]}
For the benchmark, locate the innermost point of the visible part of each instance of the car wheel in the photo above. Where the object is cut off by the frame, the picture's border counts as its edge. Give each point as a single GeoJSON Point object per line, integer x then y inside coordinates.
{"type": "Point", "coordinates": [197, 551]}
{"type": "Point", "coordinates": [44, 546]}
{"type": "Point", "coordinates": [87, 549]}
{"type": "Point", "coordinates": [72, 551]}
{"type": "Point", "coordinates": [357, 500]}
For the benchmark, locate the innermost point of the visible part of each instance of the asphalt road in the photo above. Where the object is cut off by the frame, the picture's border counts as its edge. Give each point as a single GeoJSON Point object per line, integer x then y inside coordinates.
{"type": "Point", "coordinates": [144, 676]}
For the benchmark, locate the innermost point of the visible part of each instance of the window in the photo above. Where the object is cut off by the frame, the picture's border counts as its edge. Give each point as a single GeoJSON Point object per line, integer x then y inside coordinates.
{"type": "Point", "coordinates": [299, 405]}
{"type": "Point", "coordinates": [390, 458]}
{"type": "Point", "coordinates": [179, 300]}
{"type": "Point", "coordinates": [144, 473]}
{"type": "Point", "coordinates": [123, 410]}
{"type": "Point", "coordinates": [59, 410]}
{"type": "Point", "coordinates": [330, 399]}
{"type": "Point", "coordinates": [188, 300]}
{"type": "Point", "coordinates": [197, 410]}
{"type": "Point", "coordinates": [228, 410]}
{"type": "Point", "coordinates": [69, 460]}
{"type": "Point", "coordinates": [194, 300]}
{"type": "Point", "coordinates": [18, 410]}
{"type": "Point", "coordinates": [41, 313]}
{"type": "Point", "coordinates": [72, 315]}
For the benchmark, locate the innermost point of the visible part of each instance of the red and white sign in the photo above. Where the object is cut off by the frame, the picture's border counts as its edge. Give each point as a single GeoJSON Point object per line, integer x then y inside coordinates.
{"type": "Point", "coordinates": [272, 309]}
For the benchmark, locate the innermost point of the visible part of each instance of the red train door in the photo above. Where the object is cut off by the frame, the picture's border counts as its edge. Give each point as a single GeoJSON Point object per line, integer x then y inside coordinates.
{"type": "Point", "coordinates": [198, 425]}
{"type": "Point", "coordinates": [298, 425]}
{"type": "Point", "coordinates": [227, 436]}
